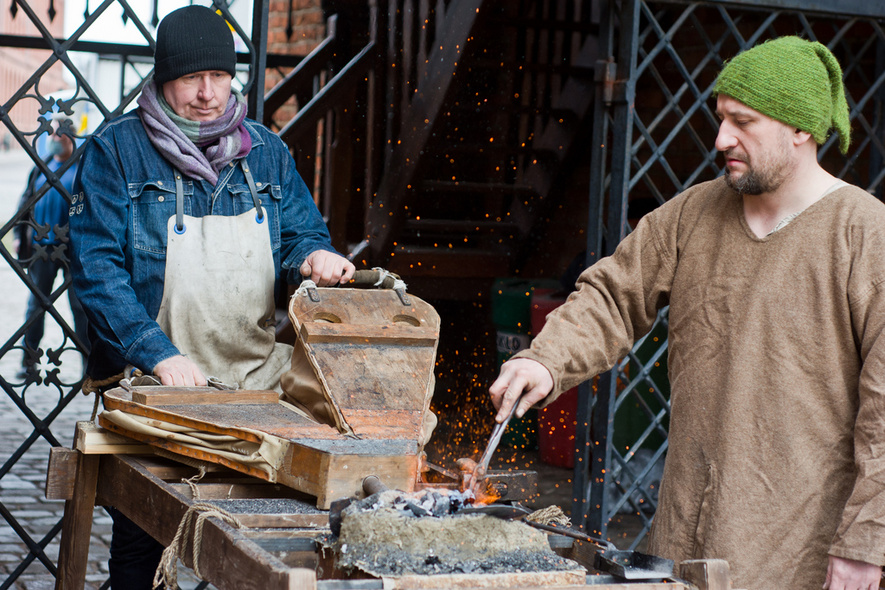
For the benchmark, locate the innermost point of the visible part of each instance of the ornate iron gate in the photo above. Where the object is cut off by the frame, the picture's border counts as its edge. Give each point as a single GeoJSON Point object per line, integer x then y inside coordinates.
{"type": "Point", "coordinates": [654, 129]}
{"type": "Point", "coordinates": [41, 379]}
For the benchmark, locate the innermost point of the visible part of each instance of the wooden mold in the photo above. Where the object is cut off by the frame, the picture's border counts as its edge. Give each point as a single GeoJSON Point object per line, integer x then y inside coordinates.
{"type": "Point", "coordinates": [370, 358]}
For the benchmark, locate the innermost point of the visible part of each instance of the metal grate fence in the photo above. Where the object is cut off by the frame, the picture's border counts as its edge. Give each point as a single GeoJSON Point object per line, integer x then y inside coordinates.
{"type": "Point", "coordinates": [67, 84]}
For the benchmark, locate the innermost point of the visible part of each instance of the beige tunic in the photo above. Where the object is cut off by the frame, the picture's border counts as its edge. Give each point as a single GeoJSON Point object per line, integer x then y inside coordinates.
{"type": "Point", "coordinates": [777, 371]}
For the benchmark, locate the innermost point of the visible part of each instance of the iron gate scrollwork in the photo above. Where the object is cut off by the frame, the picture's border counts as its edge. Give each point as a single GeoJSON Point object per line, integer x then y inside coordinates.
{"type": "Point", "coordinates": [654, 130]}
{"type": "Point", "coordinates": [72, 85]}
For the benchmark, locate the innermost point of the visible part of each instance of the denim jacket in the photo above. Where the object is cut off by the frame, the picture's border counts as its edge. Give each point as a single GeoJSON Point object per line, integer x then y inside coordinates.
{"type": "Point", "coordinates": [124, 195]}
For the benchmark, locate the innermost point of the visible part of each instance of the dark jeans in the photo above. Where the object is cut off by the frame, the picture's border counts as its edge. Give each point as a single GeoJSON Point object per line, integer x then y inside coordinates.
{"type": "Point", "coordinates": [135, 555]}
{"type": "Point", "coordinates": [43, 273]}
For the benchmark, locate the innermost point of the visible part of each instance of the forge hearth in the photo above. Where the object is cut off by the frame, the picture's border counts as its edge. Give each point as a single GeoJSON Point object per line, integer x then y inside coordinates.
{"type": "Point", "coordinates": [399, 534]}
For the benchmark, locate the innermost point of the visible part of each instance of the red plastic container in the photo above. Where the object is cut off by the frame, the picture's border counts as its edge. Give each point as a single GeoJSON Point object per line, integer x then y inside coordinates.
{"type": "Point", "coordinates": [556, 422]}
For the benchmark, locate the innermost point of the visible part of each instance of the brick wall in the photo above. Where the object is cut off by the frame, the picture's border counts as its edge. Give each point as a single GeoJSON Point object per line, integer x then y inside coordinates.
{"type": "Point", "coordinates": [308, 29]}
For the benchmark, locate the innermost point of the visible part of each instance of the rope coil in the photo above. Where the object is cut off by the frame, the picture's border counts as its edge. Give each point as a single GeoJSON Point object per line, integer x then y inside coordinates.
{"type": "Point", "coordinates": [552, 515]}
{"type": "Point", "coordinates": [192, 521]}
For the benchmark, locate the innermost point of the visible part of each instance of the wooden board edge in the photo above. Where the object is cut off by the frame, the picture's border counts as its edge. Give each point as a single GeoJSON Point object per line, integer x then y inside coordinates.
{"type": "Point", "coordinates": [91, 439]}
{"type": "Point", "coordinates": [154, 398]}
{"type": "Point", "coordinates": [284, 521]}
{"type": "Point", "coordinates": [478, 581]}
{"type": "Point", "coordinates": [61, 473]}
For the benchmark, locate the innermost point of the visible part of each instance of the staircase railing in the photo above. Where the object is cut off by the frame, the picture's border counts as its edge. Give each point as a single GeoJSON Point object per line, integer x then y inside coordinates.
{"type": "Point", "coordinates": [331, 97]}
{"type": "Point", "coordinates": [347, 110]}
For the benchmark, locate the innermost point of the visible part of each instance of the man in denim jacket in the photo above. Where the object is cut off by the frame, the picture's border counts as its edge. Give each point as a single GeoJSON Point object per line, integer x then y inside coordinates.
{"type": "Point", "coordinates": [185, 215]}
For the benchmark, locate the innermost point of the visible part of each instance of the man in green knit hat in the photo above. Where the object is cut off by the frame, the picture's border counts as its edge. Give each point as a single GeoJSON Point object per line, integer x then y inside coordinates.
{"type": "Point", "coordinates": [775, 279]}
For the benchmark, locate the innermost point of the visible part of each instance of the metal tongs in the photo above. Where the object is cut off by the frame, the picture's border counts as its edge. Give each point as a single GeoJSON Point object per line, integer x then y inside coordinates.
{"type": "Point", "coordinates": [472, 479]}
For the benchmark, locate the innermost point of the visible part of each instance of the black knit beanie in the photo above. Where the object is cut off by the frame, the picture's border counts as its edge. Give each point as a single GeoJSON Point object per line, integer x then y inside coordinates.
{"type": "Point", "coordinates": [193, 39]}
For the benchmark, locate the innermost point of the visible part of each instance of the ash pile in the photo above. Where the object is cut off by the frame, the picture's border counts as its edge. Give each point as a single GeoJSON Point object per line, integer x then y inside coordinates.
{"type": "Point", "coordinates": [394, 533]}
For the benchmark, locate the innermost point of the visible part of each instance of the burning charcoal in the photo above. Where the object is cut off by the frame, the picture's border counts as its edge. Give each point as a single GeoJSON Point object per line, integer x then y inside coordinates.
{"type": "Point", "coordinates": [417, 510]}
{"type": "Point", "coordinates": [457, 500]}
{"type": "Point", "coordinates": [441, 505]}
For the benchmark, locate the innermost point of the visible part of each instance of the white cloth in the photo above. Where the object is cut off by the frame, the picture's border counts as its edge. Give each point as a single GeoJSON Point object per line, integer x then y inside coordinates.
{"type": "Point", "coordinates": [218, 305]}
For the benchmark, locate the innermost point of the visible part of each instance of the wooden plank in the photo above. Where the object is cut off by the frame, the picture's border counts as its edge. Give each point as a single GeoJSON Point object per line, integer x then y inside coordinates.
{"type": "Point", "coordinates": [574, 578]}
{"type": "Point", "coordinates": [315, 332]}
{"type": "Point", "coordinates": [77, 525]}
{"type": "Point", "coordinates": [284, 521]}
{"type": "Point", "coordinates": [91, 439]}
{"type": "Point", "coordinates": [171, 470]}
{"type": "Point", "coordinates": [61, 474]}
{"type": "Point", "coordinates": [363, 307]}
{"type": "Point", "coordinates": [225, 419]}
{"type": "Point", "coordinates": [192, 396]}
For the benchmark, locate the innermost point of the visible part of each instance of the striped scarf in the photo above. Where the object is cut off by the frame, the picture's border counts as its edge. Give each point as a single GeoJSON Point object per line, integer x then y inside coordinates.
{"type": "Point", "coordinates": [197, 149]}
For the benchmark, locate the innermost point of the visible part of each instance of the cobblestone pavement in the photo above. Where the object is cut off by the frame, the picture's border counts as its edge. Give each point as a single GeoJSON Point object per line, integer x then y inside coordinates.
{"type": "Point", "coordinates": [22, 488]}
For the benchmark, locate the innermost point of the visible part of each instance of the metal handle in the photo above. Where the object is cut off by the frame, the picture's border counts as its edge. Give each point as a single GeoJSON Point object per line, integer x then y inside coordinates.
{"type": "Point", "coordinates": [497, 433]}
{"type": "Point", "coordinates": [568, 532]}
{"type": "Point", "coordinates": [372, 484]}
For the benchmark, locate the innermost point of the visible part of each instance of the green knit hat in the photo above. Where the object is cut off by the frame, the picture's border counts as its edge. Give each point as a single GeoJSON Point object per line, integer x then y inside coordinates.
{"type": "Point", "coordinates": [795, 81]}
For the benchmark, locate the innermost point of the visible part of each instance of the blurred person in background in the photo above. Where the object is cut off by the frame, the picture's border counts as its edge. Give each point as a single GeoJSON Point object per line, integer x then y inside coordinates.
{"type": "Point", "coordinates": [42, 245]}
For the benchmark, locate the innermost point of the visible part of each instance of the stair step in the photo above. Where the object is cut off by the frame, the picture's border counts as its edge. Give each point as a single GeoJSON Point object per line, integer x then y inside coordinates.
{"type": "Point", "coordinates": [545, 68]}
{"type": "Point", "coordinates": [446, 187]}
{"type": "Point", "coordinates": [449, 262]}
{"type": "Point", "coordinates": [506, 149]}
{"type": "Point", "coordinates": [460, 226]}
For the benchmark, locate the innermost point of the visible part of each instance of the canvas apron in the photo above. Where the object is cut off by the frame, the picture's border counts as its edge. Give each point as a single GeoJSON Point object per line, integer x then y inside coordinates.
{"type": "Point", "coordinates": [218, 295]}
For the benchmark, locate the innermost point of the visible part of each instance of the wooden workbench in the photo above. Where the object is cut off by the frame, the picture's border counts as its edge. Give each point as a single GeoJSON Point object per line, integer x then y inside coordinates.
{"type": "Point", "coordinates": [273, 550]}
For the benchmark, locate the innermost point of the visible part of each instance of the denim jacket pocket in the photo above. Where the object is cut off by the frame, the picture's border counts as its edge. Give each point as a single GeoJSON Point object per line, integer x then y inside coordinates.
{"type": "Point", "coordinates": [269, 197]}
{"type": "Point", "coordinates": [153, 203]}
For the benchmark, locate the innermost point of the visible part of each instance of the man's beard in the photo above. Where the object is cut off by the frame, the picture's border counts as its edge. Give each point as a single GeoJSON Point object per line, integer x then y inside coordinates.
{"type": "Point", "coordinates": [765, 178]}
{"type": "Point", "coordinates": [752, 182]}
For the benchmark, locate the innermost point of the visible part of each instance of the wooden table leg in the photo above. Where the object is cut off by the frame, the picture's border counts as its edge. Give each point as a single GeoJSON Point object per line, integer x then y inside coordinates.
{"type": "Point", "coordinates": [77, 526]}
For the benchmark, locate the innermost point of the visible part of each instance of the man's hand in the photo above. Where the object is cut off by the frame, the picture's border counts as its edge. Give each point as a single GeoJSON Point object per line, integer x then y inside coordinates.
{"type": "Point", "coordinates": [518, 376]}
{"type": "Point", "coordinates": [179, 371]}
{"type": "Point", "coordinates": [327, 268]}
{"type": "Point", "coordinates": [848, 574]}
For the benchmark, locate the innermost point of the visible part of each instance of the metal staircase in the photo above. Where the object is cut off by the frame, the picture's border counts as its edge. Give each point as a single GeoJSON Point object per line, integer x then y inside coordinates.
{"type": "Point", "coordinates": [459, 119]}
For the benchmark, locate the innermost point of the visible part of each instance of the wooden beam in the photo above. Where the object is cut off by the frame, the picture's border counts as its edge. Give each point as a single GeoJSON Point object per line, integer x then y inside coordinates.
{"type": "Point", "coordinates": [229, 559]}
{"type": "Point", "coordinates": [300, 80]}
{"type": "Point", "coordinates": [77, 525]}
{"type": "Point", "coordinates": [62, 473]}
